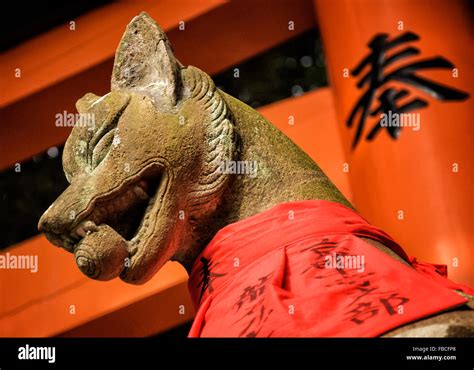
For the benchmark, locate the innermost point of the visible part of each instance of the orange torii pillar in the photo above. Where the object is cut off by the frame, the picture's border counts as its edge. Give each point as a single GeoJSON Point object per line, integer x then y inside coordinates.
{"type": "Point", "coordinates": [413, 63]}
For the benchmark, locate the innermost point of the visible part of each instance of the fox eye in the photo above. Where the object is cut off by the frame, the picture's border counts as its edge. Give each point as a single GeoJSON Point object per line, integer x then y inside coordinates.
{"type": "Point", "coordinates": [103, 138]}
{"type": "Point", "coordinates": [102, 148]}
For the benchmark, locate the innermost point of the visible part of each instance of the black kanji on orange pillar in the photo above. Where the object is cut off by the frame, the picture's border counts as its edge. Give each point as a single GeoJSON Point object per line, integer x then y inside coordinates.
{"type": "Point", "coordinates": [376, 79]}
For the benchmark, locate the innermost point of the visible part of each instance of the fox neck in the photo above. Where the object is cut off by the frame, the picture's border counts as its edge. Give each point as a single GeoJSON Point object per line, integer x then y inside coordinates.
{"type": "Point", "coordinates": [268, 169]}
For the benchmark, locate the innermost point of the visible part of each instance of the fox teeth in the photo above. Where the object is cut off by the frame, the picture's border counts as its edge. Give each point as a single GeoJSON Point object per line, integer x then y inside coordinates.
{"type": "Point", "coordinates": [85, 228]}
{"type": "Point", "coordinates": [139, 192]}
{"type": "Point", "coordinates": [81, 232]}
{"type": "Point", "coordinates": [89, 226]}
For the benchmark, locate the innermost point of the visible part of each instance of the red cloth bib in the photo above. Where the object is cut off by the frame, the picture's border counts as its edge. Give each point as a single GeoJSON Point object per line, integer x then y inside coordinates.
{"type": "Point", "coordinates": [300, 270]}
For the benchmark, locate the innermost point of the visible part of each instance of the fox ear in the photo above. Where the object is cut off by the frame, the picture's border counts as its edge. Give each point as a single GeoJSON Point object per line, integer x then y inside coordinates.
{"type": "Point", "coordinates": [144, 62]}
{"type": "Point", "coordinates": [85, 103]}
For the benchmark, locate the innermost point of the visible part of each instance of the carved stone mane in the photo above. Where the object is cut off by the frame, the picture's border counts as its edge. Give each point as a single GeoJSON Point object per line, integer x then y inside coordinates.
{"type": "Point", "coordinates": [220, 138]}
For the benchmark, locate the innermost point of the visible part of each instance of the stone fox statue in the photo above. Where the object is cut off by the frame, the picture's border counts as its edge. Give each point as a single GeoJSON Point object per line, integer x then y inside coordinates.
{"type": "Point", "coordinates": [271, 253]}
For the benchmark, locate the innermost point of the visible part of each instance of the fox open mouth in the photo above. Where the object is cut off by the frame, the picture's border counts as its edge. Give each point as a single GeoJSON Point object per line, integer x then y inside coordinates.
{"type": "Point", "coordinates": [126, 211]}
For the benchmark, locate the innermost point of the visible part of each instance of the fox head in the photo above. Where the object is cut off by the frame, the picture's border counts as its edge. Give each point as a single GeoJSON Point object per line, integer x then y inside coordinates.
{"type": "Point", "coordinates": [147, 171]}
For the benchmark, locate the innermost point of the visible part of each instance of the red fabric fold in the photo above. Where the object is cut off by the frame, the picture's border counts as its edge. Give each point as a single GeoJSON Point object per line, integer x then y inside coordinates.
{"type": "Point", "coordinates": [300, 269]}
